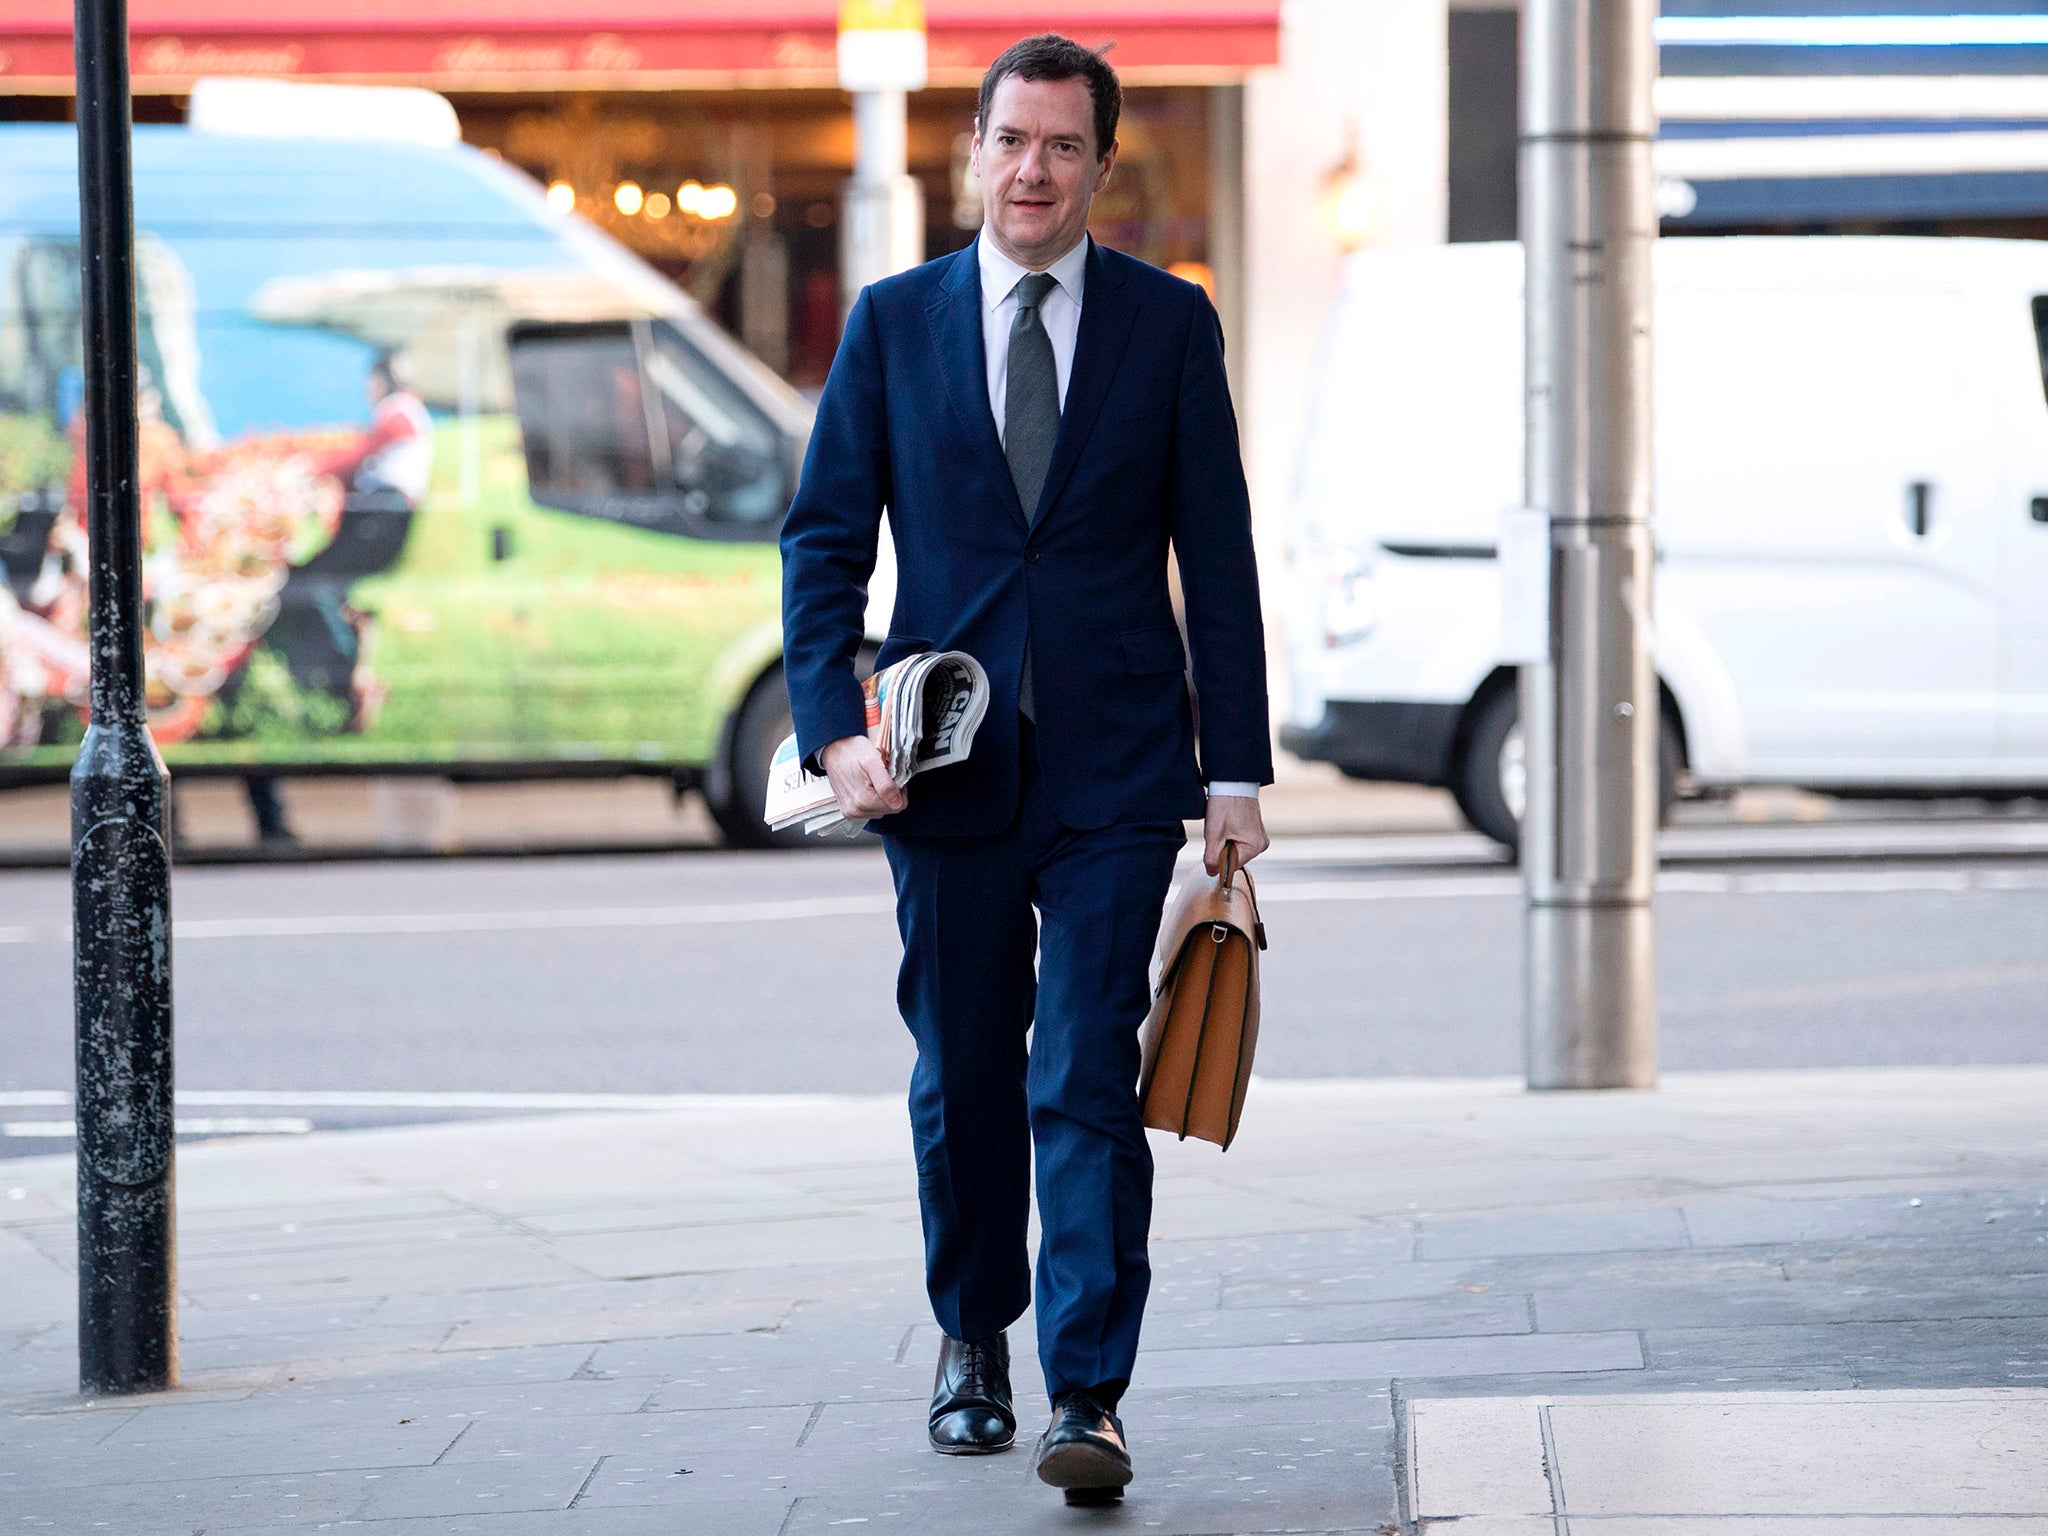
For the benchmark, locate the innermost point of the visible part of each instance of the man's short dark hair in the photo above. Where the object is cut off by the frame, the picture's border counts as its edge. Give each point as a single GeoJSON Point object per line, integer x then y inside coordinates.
{"type": "Point", "coordinates": [1050, 56]}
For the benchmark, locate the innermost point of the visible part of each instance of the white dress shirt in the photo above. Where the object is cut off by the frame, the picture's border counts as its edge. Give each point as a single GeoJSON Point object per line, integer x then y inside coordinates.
{"type": "Point", "coordinates": [1060, 312]}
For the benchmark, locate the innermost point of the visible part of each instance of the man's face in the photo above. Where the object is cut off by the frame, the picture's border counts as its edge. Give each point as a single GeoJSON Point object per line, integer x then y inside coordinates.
{"type": "Point", "coordinates": [1036, 157]}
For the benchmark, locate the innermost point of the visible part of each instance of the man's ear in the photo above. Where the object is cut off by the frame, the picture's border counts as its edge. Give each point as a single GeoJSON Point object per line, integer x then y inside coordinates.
{"type": "Point", "coordinates": [1108, 160]}
{"type": "Point", "coordinates": [974, 149]}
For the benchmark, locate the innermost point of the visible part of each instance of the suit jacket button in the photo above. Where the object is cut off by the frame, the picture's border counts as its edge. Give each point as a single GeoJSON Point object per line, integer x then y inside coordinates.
{"type": "Point", "coordinates": [1031, 556]}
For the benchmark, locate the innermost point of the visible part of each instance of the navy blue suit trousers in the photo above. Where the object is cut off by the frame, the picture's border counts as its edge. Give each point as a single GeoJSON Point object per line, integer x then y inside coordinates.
{"type": "Point", "coordinates": [1009, 1062]}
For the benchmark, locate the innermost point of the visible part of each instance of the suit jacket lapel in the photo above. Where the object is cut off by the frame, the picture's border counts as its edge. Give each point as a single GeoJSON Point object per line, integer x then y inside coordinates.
{"type": "Point", "coordinates": [1106, 317]}
{"type": "Point", "coordinates": [955, 321]}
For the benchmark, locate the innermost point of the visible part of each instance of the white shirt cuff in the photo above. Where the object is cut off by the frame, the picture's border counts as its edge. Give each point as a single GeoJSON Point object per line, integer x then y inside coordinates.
{"type": "Point", "coordinates": [1236, 788]}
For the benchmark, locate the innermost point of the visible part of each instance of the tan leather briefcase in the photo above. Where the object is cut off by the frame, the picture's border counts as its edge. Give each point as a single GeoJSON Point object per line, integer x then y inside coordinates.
{"type": "Point", "coordinates": [1204, 1022]}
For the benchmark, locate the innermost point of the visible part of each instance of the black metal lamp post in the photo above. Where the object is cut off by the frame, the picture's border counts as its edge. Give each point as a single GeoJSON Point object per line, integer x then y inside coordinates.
{"type": "Point", "coordinates": [120, 860]}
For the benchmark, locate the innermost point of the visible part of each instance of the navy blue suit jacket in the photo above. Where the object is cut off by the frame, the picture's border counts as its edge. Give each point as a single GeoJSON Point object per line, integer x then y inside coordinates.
{"type": "Point", "coordinates": [1147, 456]}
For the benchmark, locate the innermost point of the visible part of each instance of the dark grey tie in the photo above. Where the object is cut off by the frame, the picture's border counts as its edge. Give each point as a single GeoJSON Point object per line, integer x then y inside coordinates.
{"type": "Point", "coordinates": [1031, 420]}
{"type": "Point", "coordinates": [1031, 399]}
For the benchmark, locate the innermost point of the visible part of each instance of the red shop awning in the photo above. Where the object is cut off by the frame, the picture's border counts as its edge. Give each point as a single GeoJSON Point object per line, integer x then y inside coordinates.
{"type": "Point", "coordinates": [611, 44]}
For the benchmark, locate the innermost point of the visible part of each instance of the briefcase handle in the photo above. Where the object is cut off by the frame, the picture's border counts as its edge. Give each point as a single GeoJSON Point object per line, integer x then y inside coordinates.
{"type": "Point", "coordinates": [1228, 869]}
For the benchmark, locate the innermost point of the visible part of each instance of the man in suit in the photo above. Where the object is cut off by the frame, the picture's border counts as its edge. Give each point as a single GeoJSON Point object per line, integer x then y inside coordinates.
{"type": "Point", "coordinates": [1043, 419]}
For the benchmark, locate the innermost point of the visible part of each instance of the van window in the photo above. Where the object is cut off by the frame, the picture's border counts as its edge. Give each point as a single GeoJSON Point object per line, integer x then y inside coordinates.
{"type": "Point", "coordinates": [630, 422]}
{"type": "Point", "coordinates": [725, 453]}
{"type": "Point", "coordinates": [583, 416]}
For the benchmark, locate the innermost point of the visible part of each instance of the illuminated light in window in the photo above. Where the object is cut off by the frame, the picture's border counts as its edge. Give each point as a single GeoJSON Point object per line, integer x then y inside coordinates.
{"type": "Point", "coordinates": [719, 202]}
{"type": "Point", "coordinates": [627, 197]}
{"type": "Point", "coordinates": [690, 197]}
{"type": "Point", "coordinates": [1351, 200]}
{"type": "Point", "coordinates": [561, 197]}
{"type": "Point", "coordinates": [657, 205]}
{"type": "Point", "coordinates": [1354, 213]}
{"type": "Point", "coordinates": [764, 205]}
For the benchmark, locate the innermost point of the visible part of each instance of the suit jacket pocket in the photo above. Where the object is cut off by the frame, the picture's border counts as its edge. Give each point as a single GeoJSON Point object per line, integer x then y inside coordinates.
{"type": "Point", "coordinates": [896, 647]}
{"type": "Point", "coordinates": [1154, 650]}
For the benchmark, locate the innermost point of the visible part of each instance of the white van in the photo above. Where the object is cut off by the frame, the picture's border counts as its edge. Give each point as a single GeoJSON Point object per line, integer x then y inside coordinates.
{"type": "Point", "coordinates": [1851, 515]}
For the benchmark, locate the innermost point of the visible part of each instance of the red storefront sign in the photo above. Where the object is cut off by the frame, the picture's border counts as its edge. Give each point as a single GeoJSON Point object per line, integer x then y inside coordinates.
{"type": "Point", "coordinates": [616, 44]}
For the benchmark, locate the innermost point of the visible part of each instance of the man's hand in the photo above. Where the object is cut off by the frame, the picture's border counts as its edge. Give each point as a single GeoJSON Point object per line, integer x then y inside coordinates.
{"type": "Point", "coordinates": [860, 780]}
{"type": "Point", "coordinates": [1235, 819]}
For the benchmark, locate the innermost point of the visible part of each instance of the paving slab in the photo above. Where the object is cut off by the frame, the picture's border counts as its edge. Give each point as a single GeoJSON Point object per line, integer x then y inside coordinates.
{"type": "Point", "coordinates": [1781, 1217]}
{"type": "Point", "coordinates": [740, 1244]}
{"type": "Point", "coordinates": [1385, 1359]}
{"type": "Point", "coordinates": [1569, 1229]}
{"type": "Point", "coordinates": [712, 1320]}
{"type": "Point", "coordinates": [1893, 1353]}
{"type": "Point", "coordinates": [1460, 1314]}
{"type": "Point", "coordinates": [1775, 1297]}
{"type": "Point", "coordinates": [1607, 1463]}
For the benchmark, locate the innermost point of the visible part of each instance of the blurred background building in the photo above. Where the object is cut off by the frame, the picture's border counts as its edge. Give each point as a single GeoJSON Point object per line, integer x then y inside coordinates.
{"type": "Point", "coordinates": [1799, 117]}
{"type": "Point", "coordinates": [714, 139]}
{"type": "Point", "coordinates": [1258, 138]}
{"type": "Point", "coordinates": [1261, 138]}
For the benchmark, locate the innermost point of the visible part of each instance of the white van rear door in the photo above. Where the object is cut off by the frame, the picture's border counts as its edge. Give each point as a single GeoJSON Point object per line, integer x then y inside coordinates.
{"type": "Point", "coordinates": [1824, 509]}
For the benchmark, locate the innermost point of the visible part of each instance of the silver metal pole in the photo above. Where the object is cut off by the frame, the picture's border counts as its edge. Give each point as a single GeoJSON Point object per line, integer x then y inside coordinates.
{"type": "Point", "coordinates": [883, 229]}
{"type": "Point", "coordinates": [1590, 715]}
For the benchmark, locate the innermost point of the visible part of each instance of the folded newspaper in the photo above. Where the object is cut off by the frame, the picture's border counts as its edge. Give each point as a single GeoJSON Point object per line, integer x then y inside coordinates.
{"type": "Point", "coordinates": [923, 712]}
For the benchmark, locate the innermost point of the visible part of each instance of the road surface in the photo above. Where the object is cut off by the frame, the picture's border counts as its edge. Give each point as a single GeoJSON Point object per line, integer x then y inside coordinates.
{"type": "Point", "coordinates": [326, 994]}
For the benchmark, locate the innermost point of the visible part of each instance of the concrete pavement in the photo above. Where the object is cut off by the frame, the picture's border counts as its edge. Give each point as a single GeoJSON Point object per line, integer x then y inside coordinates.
{"type": "Point", "coordinates": [1897, 1461]}
{"type": "Point", "coordinates": [709, 1320]}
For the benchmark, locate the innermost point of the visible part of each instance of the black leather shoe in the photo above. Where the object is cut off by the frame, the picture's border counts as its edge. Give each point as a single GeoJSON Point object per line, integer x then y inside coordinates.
{"type": "Point", "coordinates": [971, 1411]}
{"type": "Point", "coordinates": [1082, 1451]}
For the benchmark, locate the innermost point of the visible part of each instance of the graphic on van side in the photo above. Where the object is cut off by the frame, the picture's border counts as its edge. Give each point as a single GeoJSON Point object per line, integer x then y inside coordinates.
{"type": "Point", "coordinates": [453, 493]}
{"type": "Point", "coordinates": [225, 525]}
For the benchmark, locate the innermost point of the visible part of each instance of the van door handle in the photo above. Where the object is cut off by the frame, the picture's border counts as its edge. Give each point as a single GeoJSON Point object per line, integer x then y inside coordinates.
{"type": "Point", "coordinates": [2038, 509]}
{"type": "Point", "coordinates": [1919, 508]}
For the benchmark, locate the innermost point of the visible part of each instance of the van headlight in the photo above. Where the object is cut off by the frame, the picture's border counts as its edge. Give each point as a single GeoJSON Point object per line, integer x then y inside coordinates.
{"type": "Point", "coordinates": [1350, 603]}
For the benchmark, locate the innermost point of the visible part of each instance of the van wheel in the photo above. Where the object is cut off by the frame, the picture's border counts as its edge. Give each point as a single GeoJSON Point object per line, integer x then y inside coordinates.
{"type": "Point", "coordinates": [763, 722]}
{"type": "Point", "coordinates": [1490, 779]}
{"type": "Point", "coordinates": [1489, 776]}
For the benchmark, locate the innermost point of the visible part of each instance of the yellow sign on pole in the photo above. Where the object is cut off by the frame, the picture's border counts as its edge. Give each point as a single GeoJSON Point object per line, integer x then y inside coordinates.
{"type": "Point", "coordinates": [881, 15]}
{"type": "Point", "coordinates": [881, 45]}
